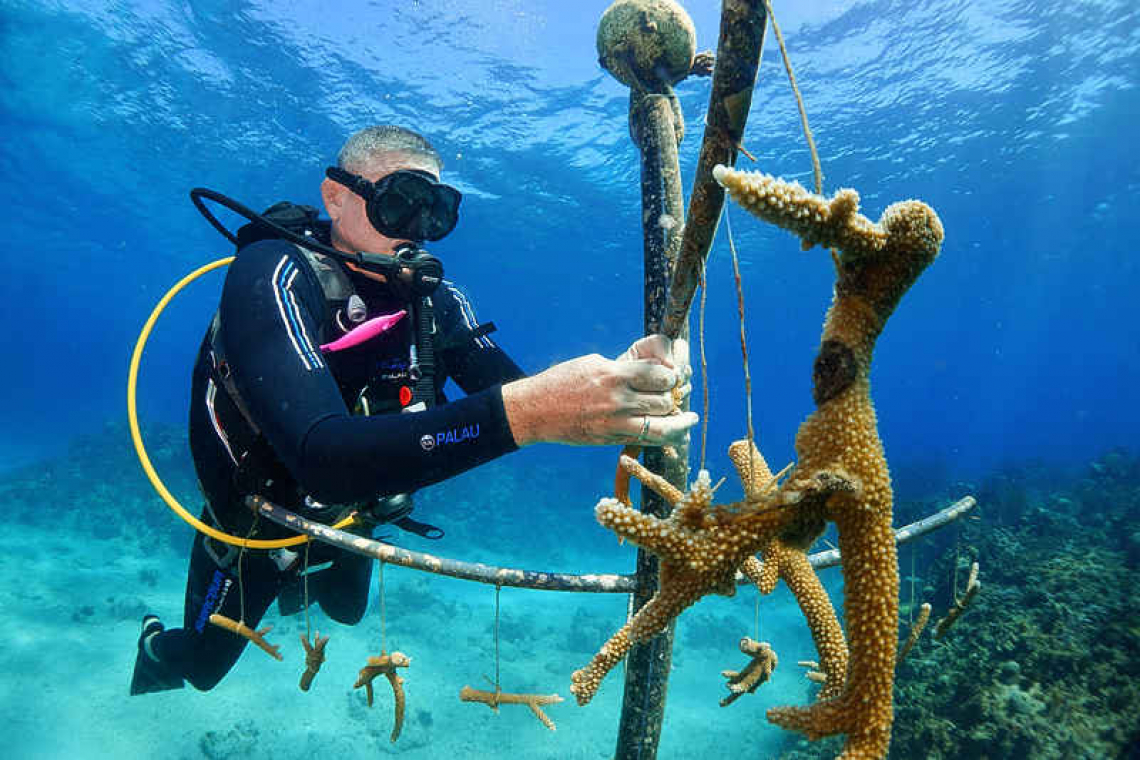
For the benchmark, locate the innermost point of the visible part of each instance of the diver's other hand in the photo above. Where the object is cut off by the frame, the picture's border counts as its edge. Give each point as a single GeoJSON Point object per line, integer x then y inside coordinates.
{"type": "Point", "coordinates": [592, 400]}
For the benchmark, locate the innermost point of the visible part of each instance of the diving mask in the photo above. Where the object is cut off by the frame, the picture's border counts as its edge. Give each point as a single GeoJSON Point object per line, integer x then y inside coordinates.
{"type": "Point", "coordinates": [407, 204]}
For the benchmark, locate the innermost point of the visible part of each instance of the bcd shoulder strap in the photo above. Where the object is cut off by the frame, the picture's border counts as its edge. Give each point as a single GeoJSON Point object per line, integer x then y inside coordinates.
{"type": "Point", "coordinates": [335, 285]}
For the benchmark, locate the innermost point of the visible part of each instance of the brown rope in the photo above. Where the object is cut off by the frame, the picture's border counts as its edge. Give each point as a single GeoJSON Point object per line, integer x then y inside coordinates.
{"type": "Point", "coordinates": [743, 346]}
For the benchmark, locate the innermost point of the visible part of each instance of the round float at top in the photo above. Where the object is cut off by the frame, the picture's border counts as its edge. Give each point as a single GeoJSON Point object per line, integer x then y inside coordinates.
{"type": "Point", "coordinates": [646, 44]}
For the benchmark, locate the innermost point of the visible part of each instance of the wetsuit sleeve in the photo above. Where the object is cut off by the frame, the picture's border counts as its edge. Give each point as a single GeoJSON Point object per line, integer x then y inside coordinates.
{"type": "Point", "coordinates": [475, 362]}
{"type": "Point", "coordinates": [270, 314]}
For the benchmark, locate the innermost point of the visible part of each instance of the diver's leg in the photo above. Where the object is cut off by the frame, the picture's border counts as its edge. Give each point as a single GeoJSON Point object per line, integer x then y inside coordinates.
{"type": "Point", "coordinates": [203, 653]}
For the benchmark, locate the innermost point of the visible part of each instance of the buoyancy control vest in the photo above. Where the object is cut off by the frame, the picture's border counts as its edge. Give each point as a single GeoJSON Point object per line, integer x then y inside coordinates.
{"type": "Point", "coordinates": [344, 310]}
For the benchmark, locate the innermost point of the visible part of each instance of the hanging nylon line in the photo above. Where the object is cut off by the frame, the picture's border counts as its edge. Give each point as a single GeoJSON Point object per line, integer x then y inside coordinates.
{"type": "Point", "coordinates": [703, 281]}
{"type": "Point", "coordinates": [383, 608]}
{"type": "Point", "coordinates": [817, 170]}
{"type": "Point", "coordinates": [743, 348]}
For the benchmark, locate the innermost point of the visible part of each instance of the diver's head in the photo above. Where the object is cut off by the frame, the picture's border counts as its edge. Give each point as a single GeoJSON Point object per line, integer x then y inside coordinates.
{"type": "Point", "coordinates": [385, 192]}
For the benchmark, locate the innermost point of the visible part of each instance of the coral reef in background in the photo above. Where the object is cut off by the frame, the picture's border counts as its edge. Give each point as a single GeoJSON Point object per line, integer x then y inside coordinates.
{"type": "Point", "coordinates": [1045, 662]}
{"type": "Point", "coordinates": [96, 489]}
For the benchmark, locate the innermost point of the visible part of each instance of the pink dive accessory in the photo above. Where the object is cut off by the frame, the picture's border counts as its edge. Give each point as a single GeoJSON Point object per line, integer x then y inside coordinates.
{"type": "Point", "coordinates": [366, 331]}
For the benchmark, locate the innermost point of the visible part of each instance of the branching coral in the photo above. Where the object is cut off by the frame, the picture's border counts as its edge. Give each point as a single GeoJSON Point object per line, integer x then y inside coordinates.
{"type": "Point", "coordinates": [915, 631]}
{"type": "Point", "coordinates": [973, 585]}
{"type": "Point", "coordinates": [314, 658]}
{"type": "Point", "coordinates": [385, 665]}
{"type": "Point", "coordinates": [495, 698]}
{"type": "Point", "coordinates": [758, 670]}
{"type": "Point", "coordinates": [785, 556]}
{"type": "Point", "coordinates": [841, 476]}
{"type": "Point", "coordinates": [241, 629]}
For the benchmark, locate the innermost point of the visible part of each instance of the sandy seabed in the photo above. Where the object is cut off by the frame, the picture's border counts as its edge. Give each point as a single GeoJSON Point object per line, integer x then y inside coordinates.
{"type": "Point", "coordinates": [72, 607]}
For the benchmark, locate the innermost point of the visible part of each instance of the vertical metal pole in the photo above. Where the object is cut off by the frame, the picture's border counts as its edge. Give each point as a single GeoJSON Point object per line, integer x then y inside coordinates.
{"type": "Point", "coordinates": [647, 666]}
{"type": "Point", "coordinates": [675, 253]}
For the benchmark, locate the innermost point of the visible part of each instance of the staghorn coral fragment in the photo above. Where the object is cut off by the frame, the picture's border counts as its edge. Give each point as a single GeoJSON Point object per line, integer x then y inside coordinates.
{"type": "Point", "coordinates": [756, 672]}
{"type": "Point", "coordinates": [495, 698]}
{"type": "Point", "coordinates": [791, 564]}
{"type": "Point", "coordinates": [700, 546]}
{"type": "Point", "coordinates": [243, 630]}
{"type": "Point", "coordinates": [973, 585]}
{"type": "Point", "coordinates": [915, 630]}
{"type": "Point", "coordinates": [786, 557]}
{"type": "Point", "coordinates": [386, 665]}
{"type": "Point", "coordinates": [314, 658]}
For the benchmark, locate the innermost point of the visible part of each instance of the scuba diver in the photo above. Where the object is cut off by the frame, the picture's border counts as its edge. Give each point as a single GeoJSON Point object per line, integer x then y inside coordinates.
{"type": "Point", "coordinates": [319, 386]}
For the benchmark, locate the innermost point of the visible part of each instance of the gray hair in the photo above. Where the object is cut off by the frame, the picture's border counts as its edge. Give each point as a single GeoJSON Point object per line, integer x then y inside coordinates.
{"type": "Point", "coordinates": [370, 143]}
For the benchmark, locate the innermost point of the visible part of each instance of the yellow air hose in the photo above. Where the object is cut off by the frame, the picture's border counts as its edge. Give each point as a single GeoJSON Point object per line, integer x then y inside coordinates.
{"type": "Point", "coordinates": [136, 435]}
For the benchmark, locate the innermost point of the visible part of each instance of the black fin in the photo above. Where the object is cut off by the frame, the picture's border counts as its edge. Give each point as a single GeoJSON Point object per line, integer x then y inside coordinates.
{"type": "Point", "coordinates": [151, 675]}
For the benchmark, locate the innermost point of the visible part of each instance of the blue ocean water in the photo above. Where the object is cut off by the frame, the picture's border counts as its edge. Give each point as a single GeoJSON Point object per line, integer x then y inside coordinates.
{"type": "Point", "coordinates": [1016, 121]}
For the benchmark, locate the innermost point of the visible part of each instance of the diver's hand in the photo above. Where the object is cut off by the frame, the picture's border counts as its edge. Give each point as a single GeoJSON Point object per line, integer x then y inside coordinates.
{"type": "Point", "coordinates": [673, 354]}
{"type": "Point", "coordinates": [592, 400]}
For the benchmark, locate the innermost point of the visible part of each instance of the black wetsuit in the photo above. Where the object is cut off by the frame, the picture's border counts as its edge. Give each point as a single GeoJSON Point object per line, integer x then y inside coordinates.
{"type": "Point", "coordinates": [306, 442]}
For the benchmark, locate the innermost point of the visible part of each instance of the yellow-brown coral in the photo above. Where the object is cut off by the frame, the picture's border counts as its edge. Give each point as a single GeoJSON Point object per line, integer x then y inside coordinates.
{"type": "Point", "coordinates": [915, 630]}
{"type": "Point", "coordinates": [495, 698]}
{"type": "Point", "coordinates": [386, 665]}
{"type": "Point", "coordinates": [876, 265]}
{"type": "Point", "coordinates": [243, 630]}
{"type": "Point", "coordinates": [758, 670]}
{"type": "Point", "coordinates": [314, 658]}
{"type": "Point", "coordinates": [960, 605]}
{"type": "Point", "coordinates": [699, 548]}
{"type": "Point", "coordinates": [785, 557]}
{"type": "Point", "coordinates": [841, 474]}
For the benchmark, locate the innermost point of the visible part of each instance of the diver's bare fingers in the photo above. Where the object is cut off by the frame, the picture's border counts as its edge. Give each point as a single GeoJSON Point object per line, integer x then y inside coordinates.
{"type": "Point", "coordinates": [667, 431]}
{"type": "Point", "coordinates": [647, 377]}
{"type": "Point", "coordinates": [652, 348]}
{"type": "Point", "coordinates": [653, 404]}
